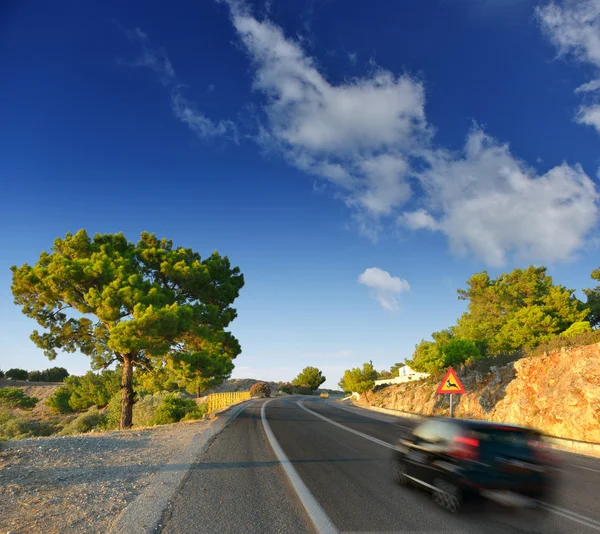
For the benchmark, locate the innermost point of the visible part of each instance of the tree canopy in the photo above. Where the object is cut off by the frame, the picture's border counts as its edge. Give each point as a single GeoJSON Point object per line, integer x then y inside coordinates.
{"type": "Point", "coordinates": [518, 310]}
{"type": "Point", "coordinates": [359, 380]}
{"type": "Point", "coordinates": [132, 303]}
{"type": "Point", "coordinates": [593, 300]}
{"type": "Point", "coordinates": [311, 377]}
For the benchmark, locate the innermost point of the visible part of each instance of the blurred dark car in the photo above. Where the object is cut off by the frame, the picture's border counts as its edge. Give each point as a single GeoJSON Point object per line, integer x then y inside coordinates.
{"type": "Point", "coordinates": [461, 459]}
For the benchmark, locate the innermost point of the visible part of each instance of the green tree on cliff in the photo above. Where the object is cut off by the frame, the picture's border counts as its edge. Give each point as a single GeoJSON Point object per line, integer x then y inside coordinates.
{"type": "Point", "coordinates": [116, 301]}
{"type": "Point", "coordinates": [520, 309]}
{"type": "Point", "coordinates": [593, 300]}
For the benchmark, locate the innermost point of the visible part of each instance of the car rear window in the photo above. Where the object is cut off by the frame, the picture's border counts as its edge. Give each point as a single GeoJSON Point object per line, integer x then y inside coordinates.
{"type": "Point", "coordinates": [505, 436]}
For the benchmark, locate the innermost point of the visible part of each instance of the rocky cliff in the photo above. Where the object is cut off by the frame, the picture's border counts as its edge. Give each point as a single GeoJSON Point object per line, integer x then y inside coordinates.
{"type": "Point", "coordinates": [557, 393]}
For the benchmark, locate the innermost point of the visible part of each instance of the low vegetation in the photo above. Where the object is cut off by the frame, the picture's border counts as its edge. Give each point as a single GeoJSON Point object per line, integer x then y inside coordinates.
{"type": "Point", "coordinates": [262, 389]}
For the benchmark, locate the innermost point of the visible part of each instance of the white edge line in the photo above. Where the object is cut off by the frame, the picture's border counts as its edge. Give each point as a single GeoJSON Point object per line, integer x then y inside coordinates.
{"type": "Point", "coordinates": [586, 468]}
{"type": "Point", "coordinates": [366, 436]}
{"type": "Point", "coordinates": [592, 523]}
{"type": "Point", "coordinates": [314, 510]}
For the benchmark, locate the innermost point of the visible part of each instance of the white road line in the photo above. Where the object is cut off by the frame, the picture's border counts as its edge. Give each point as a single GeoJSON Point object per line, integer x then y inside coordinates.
{"type": "Point", "coordinates": [586, 468]}
{"type": "Point", "coordinates": [314, 510]}
{"type": "Point", "coordinates": [591, 523]}
{"type": "Point", "coordinates": [587, 521]}
{"type": "Point", "coordinates": [366, 436]}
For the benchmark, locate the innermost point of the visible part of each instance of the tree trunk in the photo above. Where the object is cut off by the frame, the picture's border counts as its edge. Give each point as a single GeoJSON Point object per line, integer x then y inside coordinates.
{"type": "Point", "coordinates": [127, 393]}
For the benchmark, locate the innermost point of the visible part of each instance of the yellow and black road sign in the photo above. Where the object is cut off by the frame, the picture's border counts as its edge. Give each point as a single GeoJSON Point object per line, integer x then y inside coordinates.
{"type": "Point", "coordinates": [451, 383]}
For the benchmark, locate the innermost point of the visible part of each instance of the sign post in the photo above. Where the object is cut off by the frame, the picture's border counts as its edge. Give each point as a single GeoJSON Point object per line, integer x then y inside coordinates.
{"type": "Point", "coordinates": [449, 386]}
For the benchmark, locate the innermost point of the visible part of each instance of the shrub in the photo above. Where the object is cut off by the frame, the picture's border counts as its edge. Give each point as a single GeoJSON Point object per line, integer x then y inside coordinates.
{"type": "Point", "coordinates": [92, 389]}
{"type": "Point", "coordinates": [559, 342]}
{"type": "Point", "coordinates": [58, 402]}
{"type": "Point", "coordinates": [16, 427]}
{"type": "Point", "coordinates": [303, 390]}
{"type": "Point", "coordinates": [196, 413]}
{"type": "Point", "coordinates": [1, 373]}
{"type": "Point", "coordinates": [287, 388]}
{"type": "Point", "coordinates": [172, 409]}
{"type": "Point", "coordinates": [576, 329]}
{"type": "Point", "coordinates": [16, 398]}
{"type": "Point", "coordinates": [145, 408]}
{"type": "Point", "coordinates": [17, 374]}
{"type": "Point", "coordinates": [113, 413]}
{"type": "Point", "coordinates": [261, 388]}
{"type": "Point", "coordinates": [84, 423]}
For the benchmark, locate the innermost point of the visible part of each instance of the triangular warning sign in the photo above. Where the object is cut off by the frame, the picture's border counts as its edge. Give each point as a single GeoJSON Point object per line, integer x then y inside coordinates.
{"type": "Point", "coordinates": [451, 383]}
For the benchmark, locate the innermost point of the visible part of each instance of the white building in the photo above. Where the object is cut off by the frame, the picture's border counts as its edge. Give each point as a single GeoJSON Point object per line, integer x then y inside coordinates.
{"type": "Point", "coordinates": [406, 374]}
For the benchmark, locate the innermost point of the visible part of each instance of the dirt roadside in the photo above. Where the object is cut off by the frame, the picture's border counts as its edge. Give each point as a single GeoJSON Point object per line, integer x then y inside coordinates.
{"type": "Point", "coordinates": [81, 483]}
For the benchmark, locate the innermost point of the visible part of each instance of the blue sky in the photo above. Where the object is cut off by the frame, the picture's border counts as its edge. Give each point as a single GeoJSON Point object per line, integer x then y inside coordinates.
{"type": "Point", "coordinates": [358, 164]}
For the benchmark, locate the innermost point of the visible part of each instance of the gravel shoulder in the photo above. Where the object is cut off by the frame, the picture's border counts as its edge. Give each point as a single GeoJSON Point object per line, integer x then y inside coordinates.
{"type": "Point", "coordinates": [82, 483]}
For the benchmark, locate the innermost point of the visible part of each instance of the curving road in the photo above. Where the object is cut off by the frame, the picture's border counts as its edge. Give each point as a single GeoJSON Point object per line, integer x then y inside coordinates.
{"type": "Point", "coordinates": [338, 460]}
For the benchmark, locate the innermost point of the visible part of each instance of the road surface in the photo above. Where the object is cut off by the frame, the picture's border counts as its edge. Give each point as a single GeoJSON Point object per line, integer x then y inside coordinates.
{"type": "Point", "coordinates": [339, 460]}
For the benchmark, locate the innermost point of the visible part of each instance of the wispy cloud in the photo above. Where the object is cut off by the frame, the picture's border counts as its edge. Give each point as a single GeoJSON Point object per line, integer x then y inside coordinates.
{"type": "Point", "coordinates": [384, 287]}
{"type": "Point", "coordinates": [573, 26]}
{"type": "Point", "coordinates": [184, 109]}
{"type": "Point", "coordinates": [368, 140]}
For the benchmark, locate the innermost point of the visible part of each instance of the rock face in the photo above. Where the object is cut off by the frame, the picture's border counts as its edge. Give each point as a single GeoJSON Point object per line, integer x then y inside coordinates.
{"type": "Point", "coordinates": [558, 393]}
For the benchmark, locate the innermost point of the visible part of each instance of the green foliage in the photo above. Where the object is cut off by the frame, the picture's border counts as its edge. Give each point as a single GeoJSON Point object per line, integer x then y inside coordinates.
{"type": "Point", "coordinates": [359, 380]}
{"type": "Point", "coordinates": [84, 422]}
{"type": "Point", "coordinates": [195, 413]}
{"type": "Point", "coordinates": [58, 402]}
{"type": "Point", "coordinates": [428, 356]}
{"type": "Point", "coordinates": [113, 300]}
{"type": "Point", "coordinates": [311, 377]}
{"type": "Point", "coordinates": [576, 329]}
{"type": "Point", "coordinates": [286, 388]}
{"type": "Point", "coordinates": [198, 372]}
{"type": "Point", "coordinates": [17, 374]}
{"type": "Point", "coordinates": [155, 380]}
{"type": "Point", "coordinates": [593, 300]}
{"type": "Point", "coordinates": [93, 389]}
{"type": "Point", "coordinates": [395, 369]}
{"type": "Point", "coordinates": [260, 388]}
{"type": "Point", "coordinates": [2, 375]}
{"type": "Point", "coordinates": [16, 398]}
{"type": "Point", "coordinates": [303, 389]}
{"type": "Point", "coordinates": [17, 427]}
{"type": "Point", "coordinates": [172, 409]}
{"type": "Point", "coordinates": [520, 309]}
{"type": "Point", "coordinates": [460, 351]}
{"type": "Point", "coordinates": [55, 374]}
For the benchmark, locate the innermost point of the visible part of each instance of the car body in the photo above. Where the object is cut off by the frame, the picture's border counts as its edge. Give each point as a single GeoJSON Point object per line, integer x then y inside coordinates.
{"type": "Point", "coordinates": [460, 458]}
{"type": "Point", "coordinates": [324, 395]}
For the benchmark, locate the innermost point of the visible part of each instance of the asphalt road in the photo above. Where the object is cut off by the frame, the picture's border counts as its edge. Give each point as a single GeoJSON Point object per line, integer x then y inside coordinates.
{"type": "Point", "coordinates": [239, 485]}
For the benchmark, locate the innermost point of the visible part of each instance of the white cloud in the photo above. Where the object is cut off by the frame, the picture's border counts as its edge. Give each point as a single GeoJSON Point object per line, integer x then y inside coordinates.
{"type": "Point", "coordinates": [588, 87]}
{"type": "Point", "coordinates": [491, 204]}
{"type": "Point", "coordinates": [574, 29]}
{"type": "Point", "coordinates": [356, 134]}
{"type": "Point", "coordinates": [384, 286]}
{"type": "Point", "coordinates": [157, 60]}
{"type": "Point", "coordinates": [573, 26]}
{"type": "Point", "coordinates": [418, 220]}
{"type": "Point", "coordinates": [590, 116]}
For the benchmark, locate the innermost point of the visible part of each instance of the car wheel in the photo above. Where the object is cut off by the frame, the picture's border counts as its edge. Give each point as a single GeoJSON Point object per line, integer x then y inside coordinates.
{"type": "Point", "coordinates": [447, 495]}
{"type": "Point", "coordinates": [399, 472]}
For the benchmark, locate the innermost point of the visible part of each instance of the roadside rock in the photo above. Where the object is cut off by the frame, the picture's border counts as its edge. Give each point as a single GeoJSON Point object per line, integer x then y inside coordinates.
{"type": "Point", "coordinates": [557, 393]}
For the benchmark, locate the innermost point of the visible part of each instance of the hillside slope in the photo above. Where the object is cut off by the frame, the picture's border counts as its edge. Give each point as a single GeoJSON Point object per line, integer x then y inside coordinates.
{"type": "Point", "coordinates": [557, 393]}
